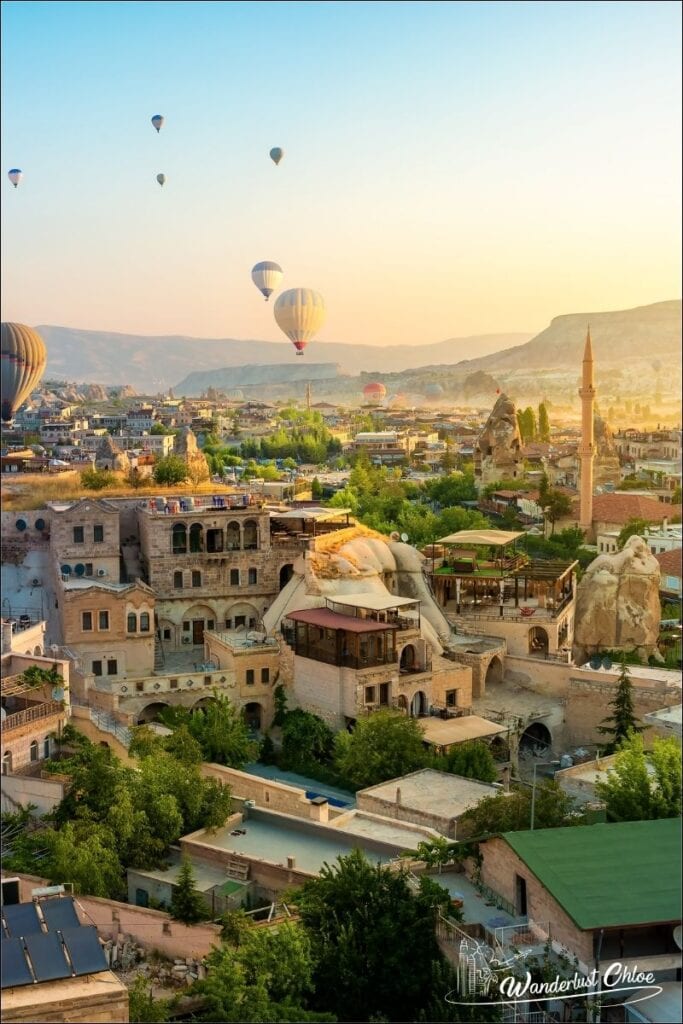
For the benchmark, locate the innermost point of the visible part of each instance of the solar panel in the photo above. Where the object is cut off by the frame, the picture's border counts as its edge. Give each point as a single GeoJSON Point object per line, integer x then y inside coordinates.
{"type": "Point", "coordinates": [14, 967]}
{"type": "Point", "coordinates": [85, 950]}
{"type": "Point", "coordinates": [47, 957]}
{"type": "Point", "coordinates": [21, 919]}
{"type": "Point", "coordinates": [60, 913]}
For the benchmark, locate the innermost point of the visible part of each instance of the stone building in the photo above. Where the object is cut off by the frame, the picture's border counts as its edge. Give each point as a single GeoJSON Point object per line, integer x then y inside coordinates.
{"type": "Point", "coordinates": [32, 714]}
{"type": "Point", "coordinates": [85, 539]}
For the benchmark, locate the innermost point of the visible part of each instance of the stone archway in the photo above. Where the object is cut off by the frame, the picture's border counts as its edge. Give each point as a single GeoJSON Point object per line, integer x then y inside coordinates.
{"type": "Point", "coordinates": [286, 573]}
{"type": "Point", "coordinates": [408, 660]}
{"type": "Point", "coordinates": [419, 705]}
{"type": "Point", "coordinates": [203, 702]}
{"type": "Point", "coordinates": [536, 740]}
{"type": "Point", "coordinates": [150, 713]}
{"type": "Point", "coordinates": [494, 672]}
{"type": "Point", "coordinates": [253, 716]}
{"type": "Point", "coordinates": [538, 642]}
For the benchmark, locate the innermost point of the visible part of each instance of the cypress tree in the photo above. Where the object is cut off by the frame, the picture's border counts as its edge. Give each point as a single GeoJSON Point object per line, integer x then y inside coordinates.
{"type": "Point", "coordinates": [187, 904]}
{"type": "Point", "coordinates": [623, 719]}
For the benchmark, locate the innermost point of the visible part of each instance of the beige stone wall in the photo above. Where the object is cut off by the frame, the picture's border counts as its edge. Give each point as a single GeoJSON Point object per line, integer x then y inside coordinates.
{"type": "Point", "coordinates": [274, 796]}
{"type": "Point", "coordinates": [499, 868]}
{"type": "Point", "coordinates": [133, 652]}
{"type": "Point", "coordinates": [587, 706]}
{"type": "Point", "coordinates": [98, 998]}
{"type": "Point", "coordinates": [103, 554]}
{"type": "Point", "coordinates": [516, 633]}
{"type": "Point", "coordinates": [17, 741]}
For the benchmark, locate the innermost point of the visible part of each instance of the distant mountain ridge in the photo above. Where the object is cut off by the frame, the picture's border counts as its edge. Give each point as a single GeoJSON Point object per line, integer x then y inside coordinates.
{"type": "Point", "coordinates": [647, 335]}
{"type": "Point", "coordinates": [153, 363]}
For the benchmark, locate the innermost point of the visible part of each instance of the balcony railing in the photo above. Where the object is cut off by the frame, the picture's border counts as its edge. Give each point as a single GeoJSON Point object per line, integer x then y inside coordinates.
{"type": "Point", "coordinates": [33, 714]}
{"type": "Point", "coordinates": [341, 660]}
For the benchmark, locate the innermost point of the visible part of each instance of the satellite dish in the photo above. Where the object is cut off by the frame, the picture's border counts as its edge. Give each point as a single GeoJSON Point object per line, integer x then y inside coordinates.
{"type": "Point", "coordinates": [58, 693]}
{"type": "Point", "coordinates": [404, 537]}
{"type": "Point", "coordinates": [595, 662]}
{"type": "Point", "coordinates": [678, 936]}
{"type": "Point", "coordinates": [607, 663]}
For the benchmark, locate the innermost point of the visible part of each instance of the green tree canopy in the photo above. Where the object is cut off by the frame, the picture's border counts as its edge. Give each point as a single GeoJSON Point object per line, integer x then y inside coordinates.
{"type": "Point", "coordinates": [382, 746]}
{"type": "Point", "coordinates": [472, 760]}
{"type": "Point", "coordinates": [635, 527]}
{"type": "Point", "coordinates": [641, 785]}
{"type": "Point", "coordinates": [170, 470]}
{"type": "Point", "coordinates": [512, 813]}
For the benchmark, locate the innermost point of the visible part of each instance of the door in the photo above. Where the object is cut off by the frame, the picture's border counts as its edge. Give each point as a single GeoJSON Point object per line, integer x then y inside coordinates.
{"type": "Point", "coordinates": [520, 887]}
{"type": "Point", "coordinates": [197, 632]}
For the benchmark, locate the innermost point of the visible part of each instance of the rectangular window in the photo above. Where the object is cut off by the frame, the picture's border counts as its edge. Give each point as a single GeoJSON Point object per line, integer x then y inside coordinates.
{"type": "Point", "coordinates": [79, 536]}
{"type": "Point", "coordinates": [140, 687]}
{"type": "Point", "coordinates": [86, 621]}
{"type": "Point", "coordinates": [234, 577]}
{"type": "Point", "coordinates": [240, 620]}
{"type": "Point", "coordinates": [103, 620]}
{"type": "Point", "coordinates": [167, 634]}
{"type": "Point", "coordinates": [384, 693]}
{"type": "Point", "coordinates": [97, 668]}
{"type": "Point", "coordinates": [451, 698]}
{"type": "Point", "coordinates": [250, 677]}
{"type": "Point", "coordinates": [369, 694]}
{"type": "Point", "coordinates": [210, 624]}
{"type": "Point", "coordinates": [265, 675]}
{"type": "Point", "coordinates": [173, 683]}
{"type": "Point", "coordinates": [88, 568]}
{"type": "Point", "coordinates": [186, 627]}
{"type": "Point", "coordinates": [112, 667]}
{"type": "Point", "coordinates": [253, 576]}
{"type": "Point", "coordinates": [196, 579]}
{"type": "Point", "coordinates": [98, 534]}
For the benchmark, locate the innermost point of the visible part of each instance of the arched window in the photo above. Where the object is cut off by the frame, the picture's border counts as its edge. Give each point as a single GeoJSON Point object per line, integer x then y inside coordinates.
{"type": "Point", "coordinates": [7, 762]}
{"type": "Point", "coordinates": [178, 580]}
{"type": "Point", "coordinates": [196, 538]}
{"type": "Point", "coordinates": [132, 623]}
{"type": "Point", "coordinates": [144, 622]}
{"type": "Point", "coordinates": [33, 751]}
{"type": "Point", "coordinates": [250, 535]}
{"type": "Point", "coordinates": [196, 578]}
{"type": "Point", "coordinates": [233, 537]}
{"type": "Point", "coordinates": [179, 539]}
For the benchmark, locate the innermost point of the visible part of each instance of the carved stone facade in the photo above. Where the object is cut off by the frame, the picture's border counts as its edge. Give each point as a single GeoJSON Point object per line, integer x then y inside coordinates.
{"type": "Point", "coordinates": [498, 451]}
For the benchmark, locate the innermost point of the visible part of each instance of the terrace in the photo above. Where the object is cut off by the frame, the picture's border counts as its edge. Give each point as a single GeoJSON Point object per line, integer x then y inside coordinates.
{"type": "Point", "coordinates": [480, 575]}
{"type": "Point", "coordinates": [303, 524]}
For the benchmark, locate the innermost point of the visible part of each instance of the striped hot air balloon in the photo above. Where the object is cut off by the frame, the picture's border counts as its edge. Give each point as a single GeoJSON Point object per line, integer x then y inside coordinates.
{"type": "Point", "coordinates": [374, 393]}
{"type": "Point", "coordinates": [300, 313]}
{"type": "Point", "coordinates": [23, 357]}
{"type": "Point", "coordinates": [266, 276]}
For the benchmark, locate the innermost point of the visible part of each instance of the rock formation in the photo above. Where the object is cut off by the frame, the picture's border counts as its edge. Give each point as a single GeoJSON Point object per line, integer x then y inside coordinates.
{"type": "Point", "coordinates": [109, 456]}
{"type": "Point", "coordinates": [617, 604]}
{"type": "Point", "coordinates": [187, 448]}
{"type": "Point", "coordinates": [356, 561]}
{"type": "Point", "coordinates": [498, 452]}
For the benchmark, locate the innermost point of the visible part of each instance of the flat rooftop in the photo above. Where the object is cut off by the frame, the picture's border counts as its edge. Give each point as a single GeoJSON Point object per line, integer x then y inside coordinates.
{"type": "Point", "coordinates": [385, 830]}
{"type": "Point", "coordinates": [671, 717]}
{"type": "Point", "coordinates": [372, 601]}
{"type": "Point", "coordinates": [206, 877]}
{"type": "Point", "coordinates": [337, 620]}
{"type": "Point", "coordinates": [441, 732]}
{"type": "Point", "coordinates": [608, 876]}
{"type": "Point", "coordinates": [433, 792]}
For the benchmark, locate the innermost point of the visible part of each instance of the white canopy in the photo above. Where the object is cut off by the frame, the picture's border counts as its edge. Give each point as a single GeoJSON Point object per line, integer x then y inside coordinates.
{"type": "Point", "coordinates": [374, 602]}
{"type": "Point", "coordinates": [494, 538]}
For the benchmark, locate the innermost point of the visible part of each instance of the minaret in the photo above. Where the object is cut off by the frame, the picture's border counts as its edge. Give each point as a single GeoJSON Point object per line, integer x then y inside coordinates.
{"type": "Point", "coordinates": [587, 447]}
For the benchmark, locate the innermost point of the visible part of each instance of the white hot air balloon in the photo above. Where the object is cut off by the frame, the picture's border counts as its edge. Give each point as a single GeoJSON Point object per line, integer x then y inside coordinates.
{"type": "Point", "coordinates": [161, 178]}
{"type": "Point", "coordinates": [266, 276]}
{"type": "Point", "coordinates": [15, 176]}
{"type": "Point", "coordinates": [158, 121]}
{"type": "Point", "coordinates": [300, 313]}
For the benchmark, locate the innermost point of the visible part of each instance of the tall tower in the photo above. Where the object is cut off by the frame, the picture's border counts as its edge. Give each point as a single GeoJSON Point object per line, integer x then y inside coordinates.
{"type": "Point", "coordinates": [587, 447]}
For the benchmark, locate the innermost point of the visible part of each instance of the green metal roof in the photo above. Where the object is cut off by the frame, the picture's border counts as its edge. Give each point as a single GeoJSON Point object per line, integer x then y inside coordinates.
{"type": "Point", "coordinates": [607, 876]}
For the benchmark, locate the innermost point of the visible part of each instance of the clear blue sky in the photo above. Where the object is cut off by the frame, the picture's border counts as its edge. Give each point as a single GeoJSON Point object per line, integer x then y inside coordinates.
{"type": "Point", "coordinates": [450, 168]}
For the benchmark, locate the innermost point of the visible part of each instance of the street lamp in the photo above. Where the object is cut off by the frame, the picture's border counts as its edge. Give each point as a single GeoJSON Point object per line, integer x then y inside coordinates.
{"type": "Point", "coordinates": [538, 764]}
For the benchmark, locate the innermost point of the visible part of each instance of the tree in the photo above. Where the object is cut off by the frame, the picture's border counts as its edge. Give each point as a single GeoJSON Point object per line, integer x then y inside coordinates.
{"type": "Point", "coordinates": [512, 812]}
{"type": "Point", "coordinates": [634, 528]}
{"type": "Point", "coordinates": [316, 489]}
{"type": "Point", "coordinates": [170, 470]}
{"type": "Point", "coordinates": [222, 733]}
{"type": "Point", "coordinates": [471, 760]}
{"type": "Point", "coordinates": [543, 422]}
{"type": "Point", "coordinates": [382, 746]}
{"type": "Point", "coordinates": [83, 853]}
{"type": "Point", "coordinates": [353, 913]}
{"type": "Point", "coordinates": [143, 1007]}
{"type": "Point", "coordinates": [97, 479]}
{"type": "Point", "coordinates": [642, 786]}
{"type": "Point", "coordinates": [435, 852]}
{"type": "Point", "coordinates": [623, 719]}
{"type": "Point", "coordinates": [158, 429]}
{"type": "Point", "coordinates": [306, 741]}
{"type": "Point", "coordinates": [187, 904]}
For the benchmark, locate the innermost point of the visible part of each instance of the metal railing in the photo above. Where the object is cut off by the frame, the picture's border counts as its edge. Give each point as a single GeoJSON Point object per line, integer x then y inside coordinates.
{"type": "Point", "coordinates": [105, 722]}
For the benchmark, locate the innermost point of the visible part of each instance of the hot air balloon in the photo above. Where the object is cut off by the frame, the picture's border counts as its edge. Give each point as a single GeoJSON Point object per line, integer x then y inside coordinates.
{"type": "Point", "coordinates": [374, 393]}
{"type": "Point", "coordinates": [23, 356]}
{"type": "Point", "coordinates": [299, 313]}
{"type": "Point", "coordinates": [15, 176]}
{"type": "Point", "coordinates": [266, 276]}
{"type": "Point", "coordinates": [158, 121]}
{"type": "Point", "coordinates": [276, 155]}
{"type": "Point", "coordinates": [161, 178]}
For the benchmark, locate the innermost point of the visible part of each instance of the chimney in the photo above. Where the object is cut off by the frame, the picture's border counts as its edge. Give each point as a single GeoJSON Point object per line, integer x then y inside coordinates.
{"type": "Point", "coordinates": [665, 525]}
{"type": "Point", "coordinates": [291, 863]}
{"type": "Point", "coordinates": [320, 809]}
{"type": "Point", "coordinates": [398, 796]}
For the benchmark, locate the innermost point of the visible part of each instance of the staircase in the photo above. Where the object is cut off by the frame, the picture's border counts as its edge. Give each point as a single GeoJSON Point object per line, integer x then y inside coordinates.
{"type": "Point", "coordinates": [159, 656]}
